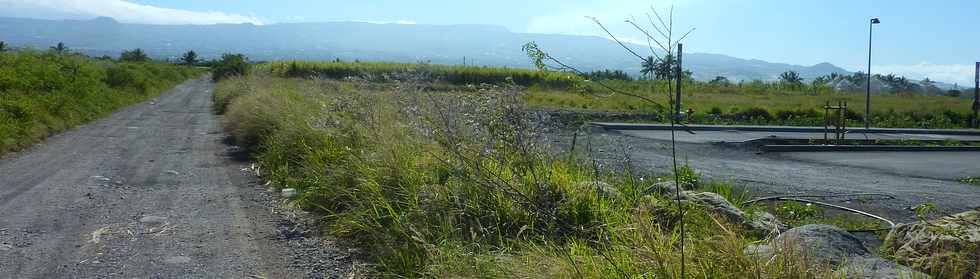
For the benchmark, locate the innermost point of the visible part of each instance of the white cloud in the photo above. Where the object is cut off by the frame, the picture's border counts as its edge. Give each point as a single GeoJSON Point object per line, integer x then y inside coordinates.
{"type": "Point", "coordinates": [961, 74]}
{"type": "Point", "coordinates": [121, 10]}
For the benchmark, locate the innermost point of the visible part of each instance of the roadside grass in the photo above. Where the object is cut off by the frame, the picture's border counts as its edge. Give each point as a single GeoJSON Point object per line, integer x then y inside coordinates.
{"type": "Point", "coordinates": [43, 93]}
{"type": "Point", "coordinates": [971, 180]}
{"type": "Point", "coordinates": [458, 184]}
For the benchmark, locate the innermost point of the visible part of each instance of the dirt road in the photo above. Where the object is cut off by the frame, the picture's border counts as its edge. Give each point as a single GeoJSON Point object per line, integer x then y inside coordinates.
{"type": "Point", "coordinates": [150, 192]}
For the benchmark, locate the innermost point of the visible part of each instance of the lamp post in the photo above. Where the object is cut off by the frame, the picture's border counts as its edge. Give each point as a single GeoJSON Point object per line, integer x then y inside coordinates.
{"type": "Point", "coordinates": [867, 102]}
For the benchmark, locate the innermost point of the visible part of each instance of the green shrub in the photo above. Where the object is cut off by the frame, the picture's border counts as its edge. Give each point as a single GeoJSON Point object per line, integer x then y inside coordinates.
{"type": "Point", "coordinates": [42, 93]}
{"type": "Point", "coordinates": [230, 65]}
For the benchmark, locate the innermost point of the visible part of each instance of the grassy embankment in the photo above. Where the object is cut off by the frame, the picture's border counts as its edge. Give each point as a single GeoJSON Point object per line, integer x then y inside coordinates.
{"type": "Point", "coordinates": [43, 93]}
{"type": "Point", "coordinates": [747, 103]}
{"type": "Point", "coordinates": [434, 183]}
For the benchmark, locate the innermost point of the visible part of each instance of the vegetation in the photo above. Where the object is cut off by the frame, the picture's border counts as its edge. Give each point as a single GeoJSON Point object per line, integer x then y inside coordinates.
{"type": "Point", "coordinates": [458, 184]}
{"type": "Point", "coordinates": [189, 58]}
{"type": "Point", "coordinates": [42, 93]}
{"type": "Point", "coordinates": [760, 103]}
{"type": "Point", "coordinates": [60, 48]}
{"type": "Point", "coordinates": [230, 65]}
{"type": "Point", "coordinates": [136, 55]}
{"type": "Point", "coordinates": [455, 75]}
{"type": "Point", "coordinates": [3, 46]}
{"type": "Point", "coordinates": [719, 101]}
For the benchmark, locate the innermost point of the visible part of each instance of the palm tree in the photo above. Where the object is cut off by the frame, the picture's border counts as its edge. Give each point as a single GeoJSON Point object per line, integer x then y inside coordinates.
{"type": "Point", "coordinates": [60, 48]}
{"type": "Point", "coordinates": [648, 66]}
{"type": "Point", "coordinates": [791, 78]}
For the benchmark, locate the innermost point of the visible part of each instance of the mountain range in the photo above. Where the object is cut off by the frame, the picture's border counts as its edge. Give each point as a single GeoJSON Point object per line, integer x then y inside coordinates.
{"type": "Point", "coordinates": [443, 44]}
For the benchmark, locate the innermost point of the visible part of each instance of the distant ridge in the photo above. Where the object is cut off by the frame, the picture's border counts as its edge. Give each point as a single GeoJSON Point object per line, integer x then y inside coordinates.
{"type": "Point", "coordinates": [445, 44]}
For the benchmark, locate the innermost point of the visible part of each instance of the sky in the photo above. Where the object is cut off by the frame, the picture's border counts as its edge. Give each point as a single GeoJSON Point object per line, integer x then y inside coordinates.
{"type": "Point", "coordinates": [918, 39]}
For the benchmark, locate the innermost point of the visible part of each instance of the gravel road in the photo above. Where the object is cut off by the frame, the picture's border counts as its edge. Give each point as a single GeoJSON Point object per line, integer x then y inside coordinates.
{"type": "Point", "coordinates": [151, 192]}
{"type": "Point", "coordinates": [777, 174]}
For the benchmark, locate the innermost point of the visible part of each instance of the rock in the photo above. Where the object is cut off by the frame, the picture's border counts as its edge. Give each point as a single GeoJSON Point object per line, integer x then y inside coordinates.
{"type": "Point", "coordinates": [831, 246]}
{"type": "Point", "coordinates": [823, 243]}
{"type": "Point", "coordinates": [666, 188]}
{"type": "Point", "coordinates": [289, 193]}
{"type": "Point", "coordinates": [874, 267]}
{"type": "Point", "coordinates": [761, 224]}
{"type": "Point", "coordinates": [945, 244]}
{"type": "Point", "coordinates": [604, 189]}
{"type": "Point", "coordinates": [153, 220]}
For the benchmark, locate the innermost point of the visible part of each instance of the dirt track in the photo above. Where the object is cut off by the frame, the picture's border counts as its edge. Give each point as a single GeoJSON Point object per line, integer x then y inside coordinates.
{"type": "Point", "coordinates": [150, 192]}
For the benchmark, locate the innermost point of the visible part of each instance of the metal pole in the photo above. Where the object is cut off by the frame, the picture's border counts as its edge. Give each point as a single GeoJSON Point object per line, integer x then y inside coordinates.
{"type": "Point", "coordinates": [867, 102]}
{"type": "Point", "coordinates": [976, 97]}
{"type": "Point", "coordinates": [680, 77]}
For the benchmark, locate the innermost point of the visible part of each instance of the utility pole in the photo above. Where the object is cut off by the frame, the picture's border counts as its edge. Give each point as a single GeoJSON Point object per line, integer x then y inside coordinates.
{"type": "Point", "coordinates": [976, 97]}
{"type": "Point", "coordinates": [867, 102]}
{"type": "Point", "coordinates": [680, 79]}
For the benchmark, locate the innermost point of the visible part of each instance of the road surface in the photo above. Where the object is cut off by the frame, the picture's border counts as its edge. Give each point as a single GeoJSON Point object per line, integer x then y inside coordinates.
{"type": "Point", "coordinates": [912, 177]}
{"type": "Point", "coordinates": [150, 192]}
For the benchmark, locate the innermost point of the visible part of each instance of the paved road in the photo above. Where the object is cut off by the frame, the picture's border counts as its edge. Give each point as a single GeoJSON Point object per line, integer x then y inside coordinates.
{"type": "Point", "coordinates": [740, 136]}
{"type": "Point", "coordinates": [150, 192]}
{"type": "Point", "coordinates": [912, 178]}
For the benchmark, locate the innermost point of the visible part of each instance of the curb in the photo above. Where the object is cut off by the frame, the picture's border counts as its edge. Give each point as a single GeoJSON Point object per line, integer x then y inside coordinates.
{"type": "Point", "coordinates": [866, 148]}
{"type": "Point", "coordinates": [791, 129]}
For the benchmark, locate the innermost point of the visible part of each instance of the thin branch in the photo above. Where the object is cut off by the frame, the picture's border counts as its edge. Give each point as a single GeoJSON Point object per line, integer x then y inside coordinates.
{"type": "Point", "coordinates": [614, 37]}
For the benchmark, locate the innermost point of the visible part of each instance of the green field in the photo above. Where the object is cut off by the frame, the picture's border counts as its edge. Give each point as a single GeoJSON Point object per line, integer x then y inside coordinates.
{"type": "Point", "coordinates": [757, 103]}
{"type": "Point", "coordinates": [42, 93]}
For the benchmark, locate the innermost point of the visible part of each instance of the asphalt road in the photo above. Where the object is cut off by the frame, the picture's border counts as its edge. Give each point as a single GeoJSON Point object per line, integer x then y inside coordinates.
{"type": "Point", "coordinates": [150, 192]}
{"type": "Point", "coordinates": [740, 136]}
{"type": "Point", "coordinates": [912, 177]}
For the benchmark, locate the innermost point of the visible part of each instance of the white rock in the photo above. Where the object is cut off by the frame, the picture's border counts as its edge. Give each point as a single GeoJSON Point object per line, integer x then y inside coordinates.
{"type": "Point", "coordinates": [289, 193]}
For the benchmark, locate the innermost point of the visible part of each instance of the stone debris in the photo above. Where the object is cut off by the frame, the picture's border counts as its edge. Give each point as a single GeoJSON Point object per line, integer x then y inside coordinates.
{"type": "Point", "coordinates": [289, 193]}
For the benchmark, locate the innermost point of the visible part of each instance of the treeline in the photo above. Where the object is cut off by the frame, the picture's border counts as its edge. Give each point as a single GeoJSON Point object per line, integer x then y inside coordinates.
{"type": "Point", "coordinates": [45, 92]}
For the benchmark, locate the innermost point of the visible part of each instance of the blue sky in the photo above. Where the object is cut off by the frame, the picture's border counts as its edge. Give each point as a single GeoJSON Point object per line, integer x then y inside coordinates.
{"type": "Point", "coordinates": [918, 39]}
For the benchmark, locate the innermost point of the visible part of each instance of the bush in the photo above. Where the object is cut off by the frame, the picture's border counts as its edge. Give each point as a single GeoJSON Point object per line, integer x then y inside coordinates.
{"type": "Point", "coordinates": [230, 65]}
{"type": "Point", "coordinates": [754, 114]}
{"type": "Point", "coordinates": [122, 76]}
{"type": "Point", "coordinates": [42, 93]}
{"type": "Point", "coordinates": [136, 55]}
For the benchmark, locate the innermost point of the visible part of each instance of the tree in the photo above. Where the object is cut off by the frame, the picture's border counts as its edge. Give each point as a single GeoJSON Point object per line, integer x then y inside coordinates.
{"type": "Point", "coordinates": [791, 78]}
{"type": "Point", "coordinates": [648, 66]}
{"type": "Point", "coordinates": [189, 58]}
{"type": "Point", "coordinates": [230, 65]}
{"type": "Point", "coordinates": [136, 55]}
{"type": "Point", "coordinates": [60, 48]}
{"type": "Point", "coordinates": [720, 80]}
{"type": "Point", "coordinates": [3, 46]}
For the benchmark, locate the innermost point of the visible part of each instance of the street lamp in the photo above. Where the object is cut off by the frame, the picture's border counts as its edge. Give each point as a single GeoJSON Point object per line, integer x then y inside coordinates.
{"type": "Point", "coordinates": [867, 103]}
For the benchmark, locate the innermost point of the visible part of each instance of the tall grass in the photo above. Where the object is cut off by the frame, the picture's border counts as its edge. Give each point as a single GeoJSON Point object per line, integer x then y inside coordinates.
{"type": "Point", "coordinates": [755, 103]}
{"type": "Point", "coordinates": [763, 104]}
{"type": "Point", "coordinates": [42, 93]}
{"type": "Point", "coordinates": [457, 75]}
{"type": "Point", "coordinates": [460, 184]}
